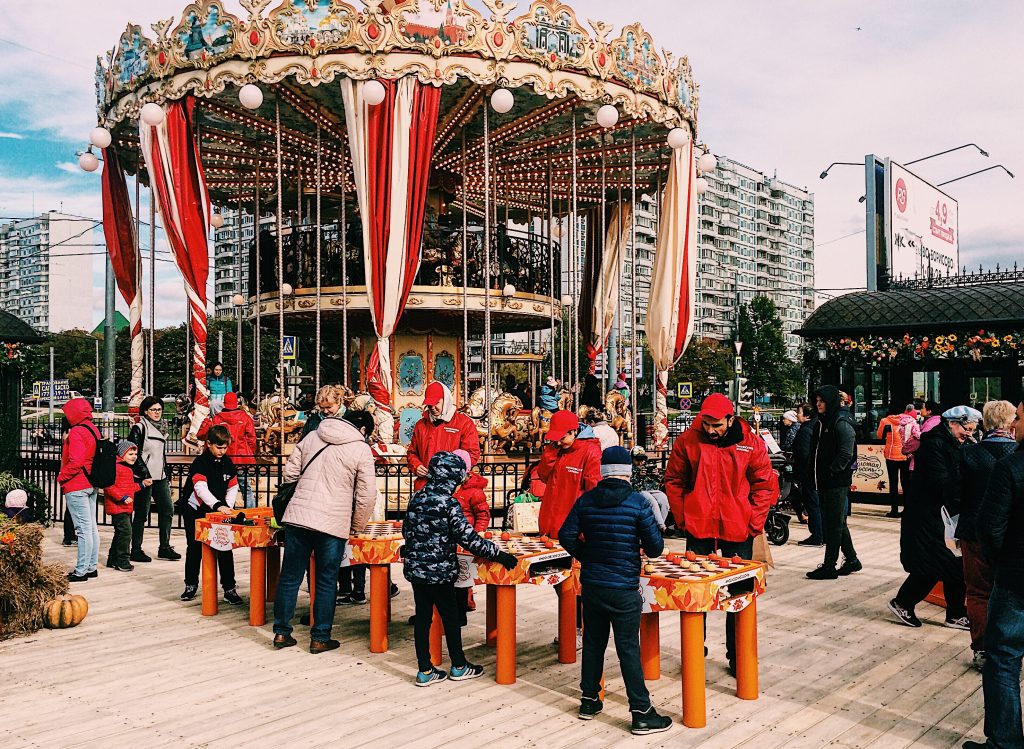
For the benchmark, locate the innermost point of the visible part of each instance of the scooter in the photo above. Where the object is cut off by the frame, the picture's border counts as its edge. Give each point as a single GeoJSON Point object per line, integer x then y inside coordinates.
{"type": "Point", "coordinates": [776, 525]}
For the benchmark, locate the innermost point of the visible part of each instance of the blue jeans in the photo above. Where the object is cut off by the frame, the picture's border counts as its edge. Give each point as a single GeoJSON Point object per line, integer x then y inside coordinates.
{"type": "Point", "coordinates": [812, 504]}
{"type": "Point", "coordinates": [299, 544]}
{"type": "Point", "coordinates": [1004, 648]}
{"type": "Point", "coordinates": [82, 506]}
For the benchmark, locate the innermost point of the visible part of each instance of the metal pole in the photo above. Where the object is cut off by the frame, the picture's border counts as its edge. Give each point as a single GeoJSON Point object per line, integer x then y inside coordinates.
{"type": "Point", "coordinates": [138, 264]}
{"type": "Point", "coordinates": [319, 250]}
{"type": "Point", "coordinates": [280, 272]}
{"type": "Point", "coordinates": [96, 392]}
{"type": "Point", "coordinates": [549, 240]}
{"type": "Point", "coordinates": [574, 312]}
{"type": "Point", "coordinates": [152, 291]}
{"type": "Point", "coordinates": [485, 353]}
{"type": "Point", "coordinates": [611, 356]}
{"type": "Point", "coordinates": [238, 331]}
{"type": "Point", "coordinates": [465, 275]}
{"type": "Point", "coordinates": [188, 350]}
{"type": "Point", "coordinates": [220, 346]}
{"type": "Point", "coordinates": [49, 401]}
{"type": "Point", "coordinates": [238, 346]}
{"type": "Point", "coordinates": [632, 284]}
{"type": "Point", "coordinates": [257, 365]}
{"type": "Point", "coordinates": [109, 340]}
{"type": "Point", "coordinates": [344, 284]}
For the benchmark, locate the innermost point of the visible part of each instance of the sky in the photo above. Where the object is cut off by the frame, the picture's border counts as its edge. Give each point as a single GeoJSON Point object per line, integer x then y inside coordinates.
{"type": "Point", "coordinates": [786, 87]}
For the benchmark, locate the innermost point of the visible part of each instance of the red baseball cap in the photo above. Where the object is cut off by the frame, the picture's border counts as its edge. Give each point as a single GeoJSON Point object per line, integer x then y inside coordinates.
{"type": "Point", "coordinates": [562, 422]}
{"type": "Point", "coordinates": [717, 406]}
{"type": "Point", "coordinates": [434, 394]}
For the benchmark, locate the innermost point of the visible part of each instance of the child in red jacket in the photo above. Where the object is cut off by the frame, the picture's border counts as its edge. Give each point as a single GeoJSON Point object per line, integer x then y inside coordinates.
{"type": "Point", "coordinates": [118, 503]}
{"type": "Point", "coordinates": [478, 514]}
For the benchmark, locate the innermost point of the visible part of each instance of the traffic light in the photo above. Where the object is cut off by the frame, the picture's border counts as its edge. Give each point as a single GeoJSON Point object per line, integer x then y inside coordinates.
{"type": "Point", "coordinates": [746, 397]}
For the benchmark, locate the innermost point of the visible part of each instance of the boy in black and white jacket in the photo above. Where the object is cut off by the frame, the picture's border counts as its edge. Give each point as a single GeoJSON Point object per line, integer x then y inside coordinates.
{"type": "Point", "coordinates": [212, 486]}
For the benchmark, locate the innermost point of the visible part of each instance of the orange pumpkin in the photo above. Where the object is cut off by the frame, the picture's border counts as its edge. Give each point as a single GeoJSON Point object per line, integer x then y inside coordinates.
{"type": "Point", "coordinates": [66, 611]}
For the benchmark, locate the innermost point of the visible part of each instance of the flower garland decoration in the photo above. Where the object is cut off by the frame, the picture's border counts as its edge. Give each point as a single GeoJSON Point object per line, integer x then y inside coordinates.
{"type": "Point", "coordinates": [881, 349]}
{"type": "Point", "coordinates": [10, 355]}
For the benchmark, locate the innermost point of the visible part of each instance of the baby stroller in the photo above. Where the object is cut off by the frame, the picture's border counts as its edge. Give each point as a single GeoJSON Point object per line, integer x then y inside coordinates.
{"type": "Point", "coordinates": [776, 525]}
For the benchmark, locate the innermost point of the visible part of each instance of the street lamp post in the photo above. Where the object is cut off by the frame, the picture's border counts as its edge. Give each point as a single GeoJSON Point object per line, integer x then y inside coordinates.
{"type": "Point", "coordinates": [239, 301]}
{"type": "Point", "coordinates": [739, 369]}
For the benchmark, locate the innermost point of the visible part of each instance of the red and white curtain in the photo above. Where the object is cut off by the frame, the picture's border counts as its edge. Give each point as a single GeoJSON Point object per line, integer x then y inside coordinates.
{"type": "Point", "coordinates": [122, 246]}
{"type": "Point", "coordinates": [176, 173]}
{"type": "Point", "coordinates": [671, 314]}
{"type": "Point", "coordinates": [599, 300]}
{"type": "Point", "coordinates": [391, 146]}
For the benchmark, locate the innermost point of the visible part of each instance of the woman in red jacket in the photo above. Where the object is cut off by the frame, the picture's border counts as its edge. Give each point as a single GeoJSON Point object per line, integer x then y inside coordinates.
{"type": "Point", "coordinates": [473, 500]}
{"type": "Point", "coordinates": [118, 503]}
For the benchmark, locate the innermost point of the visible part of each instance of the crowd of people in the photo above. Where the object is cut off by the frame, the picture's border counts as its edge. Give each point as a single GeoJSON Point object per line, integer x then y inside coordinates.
{"type": "Point", "coordinates": [961, 473]}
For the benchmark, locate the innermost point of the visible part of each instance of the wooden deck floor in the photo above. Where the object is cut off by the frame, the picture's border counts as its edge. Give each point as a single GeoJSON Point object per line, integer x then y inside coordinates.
{"type": "Point", "coordinates": [145, 670]}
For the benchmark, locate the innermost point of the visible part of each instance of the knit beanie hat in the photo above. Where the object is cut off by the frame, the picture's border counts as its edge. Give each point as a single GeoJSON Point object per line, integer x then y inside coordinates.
{"type": "Point", "coordinates": [466, 458]}
{"type": "Point", "coordinates": [616, 461]}
{"type": "Point", "coordinates": [123, 446]}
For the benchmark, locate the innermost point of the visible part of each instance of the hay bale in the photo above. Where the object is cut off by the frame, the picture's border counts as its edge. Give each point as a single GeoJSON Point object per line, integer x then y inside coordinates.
{"type": "Point", "coordinates": [28, 583]}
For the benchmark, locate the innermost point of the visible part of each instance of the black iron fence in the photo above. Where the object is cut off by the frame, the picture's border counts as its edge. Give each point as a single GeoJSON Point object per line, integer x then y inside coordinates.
{"type": "Point", "coordinates": [41, 436]}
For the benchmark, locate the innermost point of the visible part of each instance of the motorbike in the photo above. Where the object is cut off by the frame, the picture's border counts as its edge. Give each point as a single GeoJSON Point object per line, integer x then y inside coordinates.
{"type": "Point", "coordinates": [776, 525]}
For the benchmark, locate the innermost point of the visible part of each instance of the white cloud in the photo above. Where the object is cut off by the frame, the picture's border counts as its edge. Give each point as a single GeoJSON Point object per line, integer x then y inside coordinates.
{"type": "Point", "coordinates": [70, 167]}
{"type": "Point", "coordinates": [12, 136]}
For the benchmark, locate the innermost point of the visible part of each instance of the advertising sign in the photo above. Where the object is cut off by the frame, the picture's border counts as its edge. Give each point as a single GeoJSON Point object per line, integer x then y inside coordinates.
{"type": "Point", "coordinates": [61, 390]}
{"type": "Point", "coordinates": [921, 226]}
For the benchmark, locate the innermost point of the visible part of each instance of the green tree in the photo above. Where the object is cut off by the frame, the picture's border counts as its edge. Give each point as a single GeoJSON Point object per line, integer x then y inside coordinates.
{"type": "Point", "coordinates": [74, 359]}
{"type": "Point", "coordinates": [706, 363]}
{"type": "Point", "coordinates": [765, 364]}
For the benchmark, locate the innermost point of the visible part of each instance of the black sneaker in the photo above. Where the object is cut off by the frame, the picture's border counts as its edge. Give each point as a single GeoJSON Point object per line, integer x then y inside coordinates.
{"type": "Point", "coordinates": [849, 567]}
{"type": "Point", "coordinates": [69, 543]}
{"type": "Point", "coordinates": [73, 578]}
{"type": "Point", "coordinates": [169, 554]}
{"type": "Point", "coordinates": [140, 556]}
{"type": "Point", "coordinates": [823, 573]}
{"type": "Point", "coordinates": [352, 599]}
{"type": "Point", "coordinates": [649, 722]}
{"type": "Point", "coordinates": [304, 620]}
{"type": "Point", "coordinates": [94, 573]}
{"type": "Point", "coordinates": [905, 616]}
{"type": "Point", "coordinates": [124, 567]}
{"type": "Point", "coordinates": [810, 541]}
{"type": "Point", "coordinates": [974, 745]}
{"type": "Point", "coordinates": [463, 673]}
{"type": "Point", "coordinates": [394, 590]}
{"type": "Point", "coordinates": [189, 593]}
{"type": "Point", "coordinates": [590, 707]}
{"type": "Point", "coordinates": [894, 514]}
{"type": "Point", "coordinates": [232, 597]}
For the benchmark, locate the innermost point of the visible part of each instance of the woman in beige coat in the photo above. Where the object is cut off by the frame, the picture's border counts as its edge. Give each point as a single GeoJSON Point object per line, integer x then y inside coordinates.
{"type": "Point", "coordinates": [334, 497]}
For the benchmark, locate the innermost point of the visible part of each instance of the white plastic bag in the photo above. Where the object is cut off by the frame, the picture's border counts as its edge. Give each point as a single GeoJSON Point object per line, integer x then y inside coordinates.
{"type": "Point", "coordinates": [952, 542]}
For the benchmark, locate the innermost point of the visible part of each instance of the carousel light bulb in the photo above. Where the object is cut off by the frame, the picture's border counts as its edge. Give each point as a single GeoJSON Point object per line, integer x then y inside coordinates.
{"type": "Point", "coordinates": [88, 162]}
{"type": "Point", "coordinates": [286, 289]}
{"type": "Point", "coordinates": [566, 301]}
{"type": "Point", "coordinates": [216, 221]}
{"type": "Point", "coordinates": [701, 185]}
{"type": "Point", "coordinates": [707, 163]}
{"type": "Point", "coordinates": [607, 116]}
{"type": "Point", "coordinates": [508, 291]}
{"type": "Point", "coordinates": [678, 137]}
{"type": "Point", "coordinates": [250, 96]}
{"type": "Point", "coordinates": [152, 114]}
{"type": "Point", "coordinates": [100, 137]}
{"type": "Point", "coordinates": [374, 92]}
{"type": "Point", "coordinates": [238, 300]}
{"type": "Point", "coordinates": [502, 100]}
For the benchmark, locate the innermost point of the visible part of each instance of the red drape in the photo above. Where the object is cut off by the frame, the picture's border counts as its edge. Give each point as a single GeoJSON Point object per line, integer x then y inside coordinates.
{"type": "Point", "coordinates": [119, 225]}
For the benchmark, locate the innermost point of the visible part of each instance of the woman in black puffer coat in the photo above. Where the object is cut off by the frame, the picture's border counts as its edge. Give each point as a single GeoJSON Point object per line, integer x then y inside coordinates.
{"type": "Point", "coordinates": [923, 551]}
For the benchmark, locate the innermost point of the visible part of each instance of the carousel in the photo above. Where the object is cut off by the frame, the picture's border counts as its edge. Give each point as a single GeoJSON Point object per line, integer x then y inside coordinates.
{"type": "Point", "coordinates": [421, 176]}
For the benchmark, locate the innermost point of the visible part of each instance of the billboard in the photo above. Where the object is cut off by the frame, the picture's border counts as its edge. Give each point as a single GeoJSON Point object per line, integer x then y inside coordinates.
{"type": "Point", "coordinates": [921, 229]}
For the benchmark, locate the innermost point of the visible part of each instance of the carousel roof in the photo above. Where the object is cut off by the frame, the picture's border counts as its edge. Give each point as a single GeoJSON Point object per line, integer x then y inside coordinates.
{"type": "Point", "coordinates": [559, 71]}
{"type": "Point", "coordinates": [15, 330]}
{"type": "Point", "coordinates": [942, 309]}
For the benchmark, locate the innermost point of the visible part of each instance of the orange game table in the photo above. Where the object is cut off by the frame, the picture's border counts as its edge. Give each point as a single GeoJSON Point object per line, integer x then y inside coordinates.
{"type": "Point", "coordinates": [378, 546]}
{"type": "Point", "coordinates": [265, 557]}
{"type": "Point", "coordinates": [538, 565]}
{"type": "Point", "coordinates": [667, 586]}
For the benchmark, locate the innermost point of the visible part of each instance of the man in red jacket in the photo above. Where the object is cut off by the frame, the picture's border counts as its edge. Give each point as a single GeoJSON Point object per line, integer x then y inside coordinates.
{"type": "Point", "coordinates": [442, 429]}
{"type": "Point", "coordinates": [79, 494]}
{"type": "Point", "coordinates": [242, 449]}
{"type": "Point", "coordinates": [569, 466]}
{"type": "Point", "coordinates": [720, 485]}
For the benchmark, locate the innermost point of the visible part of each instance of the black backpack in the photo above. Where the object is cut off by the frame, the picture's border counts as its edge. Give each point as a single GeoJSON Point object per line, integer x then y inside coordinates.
{"type": "Point", "coordinates": [104, 462]}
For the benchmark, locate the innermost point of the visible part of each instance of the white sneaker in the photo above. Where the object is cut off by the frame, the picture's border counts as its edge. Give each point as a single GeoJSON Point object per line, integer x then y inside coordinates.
{"type": "Point", "coordinates": [962, 623]}
{"type": "Point", "coordinates": [579, 639]}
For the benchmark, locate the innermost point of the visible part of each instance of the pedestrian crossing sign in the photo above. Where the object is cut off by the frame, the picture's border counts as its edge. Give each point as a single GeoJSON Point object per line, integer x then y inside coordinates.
{"type": "Point", "coordinates": [289, 348]}
{"type": "Point", "coordinates": [684, 389]}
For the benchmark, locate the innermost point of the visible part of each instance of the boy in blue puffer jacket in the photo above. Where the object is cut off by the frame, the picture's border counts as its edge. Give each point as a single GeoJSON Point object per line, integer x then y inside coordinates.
{"type": "Point", "coordinates": [605, 530]}
{"type": "Point", "coordinates": [435, 526]}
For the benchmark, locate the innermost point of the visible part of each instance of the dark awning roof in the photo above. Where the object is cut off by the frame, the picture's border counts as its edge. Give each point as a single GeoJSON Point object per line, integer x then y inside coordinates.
{"type": "Point", "coordinates": [16, 330]}
{"type": "Point", "coordinates": [952, 308]}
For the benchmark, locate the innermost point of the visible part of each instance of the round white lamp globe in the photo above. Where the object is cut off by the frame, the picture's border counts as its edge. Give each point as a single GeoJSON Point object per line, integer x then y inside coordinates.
{"type": "Point", "coordinates": [238, 300]}
{"type": "Point", "coordinates": [701, 185]}
{"type": "Point", "coordinates": [607, 116]}
{"type": "Point", "coordinates": [502, 100]}
{"type": "Point", "coordinates": [88, 162]}
{"type": "Point", "coordinates": [678, 137]}
{"type": "Point", "coordinates": [508, 291]}
{"type": "Point", "coordinates": [707, 163]}
{"type": "Point", "coordinates": [250, 96]}
{"type": "Point", "coordinates": [373, 92]}
{"type": "Point", "coordinates": [100, 137]}
{"type": "Point", "coordinates": [216, 221]}
{"type": "Point", "coordinates": [152, 114]}
{"type": "Point", "coordinates": [566, 301]}
{"type": "Point", "coordinates": [286, 289]}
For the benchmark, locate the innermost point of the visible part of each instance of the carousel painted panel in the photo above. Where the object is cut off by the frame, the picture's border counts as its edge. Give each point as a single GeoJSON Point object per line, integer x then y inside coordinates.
{"type": "Point", "coordinates": [444, 369]}
{"type": "Point", "coordinates": [635, 60]}
{"type": "Point", "coordinates": [437, 26]}
{"type": "Point", "coordinates": [550, 33]}
{"type": "Point", "coordinates": [206, 34]}
{"type": "Point", "coordinates": [411, 374]}
{"type": "Point", "coordinates": [131, 64]}
{"type": "Point", "coordinates": [313, 26]}
{"type": "Point", "coordinates": [407, 419]}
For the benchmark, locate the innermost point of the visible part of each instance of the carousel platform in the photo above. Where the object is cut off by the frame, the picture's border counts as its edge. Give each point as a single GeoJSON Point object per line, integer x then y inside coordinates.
{"type": "Point", "coordinates": [835, 671]}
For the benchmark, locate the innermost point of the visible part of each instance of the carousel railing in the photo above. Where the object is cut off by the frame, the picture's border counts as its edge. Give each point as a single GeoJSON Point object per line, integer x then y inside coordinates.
{"type": "Point", "coordinates": [518, 258]}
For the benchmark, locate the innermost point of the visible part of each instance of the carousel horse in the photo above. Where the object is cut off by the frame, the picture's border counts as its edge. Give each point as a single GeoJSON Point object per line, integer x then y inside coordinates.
{"type": "Point", "coordinates": [616, 405]}
{"type": "Point", "coordinates": [182, 421]}
{"type": "Point", "coordinates": [383, 420]}
{"type": "Point", "coordinates": [476, 408]}
{"type": "Point", "coordinates": [280, 425]}
{"type": "Point", "coordinates": [540, 419]}
{"type": "Point", "coordinates": [505, 422]}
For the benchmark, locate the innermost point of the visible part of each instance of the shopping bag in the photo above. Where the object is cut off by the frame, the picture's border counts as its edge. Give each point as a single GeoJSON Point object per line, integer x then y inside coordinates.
{"type": "Point", "coordinates": [952, 542]}
{"type": "Point", "coordinates": [524, 517]}
{"type": "Point", "coordinates": [763, 552]}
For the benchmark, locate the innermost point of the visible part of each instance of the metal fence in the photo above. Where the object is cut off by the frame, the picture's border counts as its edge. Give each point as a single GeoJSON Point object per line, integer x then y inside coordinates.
{"type": "Point", "coordinates": [40, 436]}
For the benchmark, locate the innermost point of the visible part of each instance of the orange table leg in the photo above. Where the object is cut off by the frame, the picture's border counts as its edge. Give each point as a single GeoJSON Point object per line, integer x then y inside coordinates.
{"type": "Point", "coordinates": [379, 601]}
{"type": "Point", "coordinates": [312, 587]}
{"type": "Point", "coordinates": [257, 586]}
{"type": "Point", "coordinates": [650, 645]}
{"type": "Point", "coordinates": [505, 600]}
{"type": "Point", "coordinates": [694, 704]}
{"type": "Point", "coordinates": [273, 571]}
{"type": "Point", "coordinates": [436, 628]}
{"type": "Point", "coordinates": [209, 581]}
{"type": "Point", "coordinates": [566, 622]}
{"type": "Point", "coordinates": [491, 616]}
{"type": "Point", "coordinates": [746, 652]}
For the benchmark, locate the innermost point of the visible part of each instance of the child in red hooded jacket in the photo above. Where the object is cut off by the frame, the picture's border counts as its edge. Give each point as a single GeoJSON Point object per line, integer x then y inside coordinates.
{"type": "Point", "coordinates": [118, 503]}
{"type": "Point", "coordinates": [478, 514]}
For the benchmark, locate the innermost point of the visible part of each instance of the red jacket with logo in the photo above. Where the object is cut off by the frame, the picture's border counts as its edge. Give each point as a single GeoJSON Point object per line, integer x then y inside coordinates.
{"type": "Point", "coordinates": [79, 446]}
{"type": "Point", "coordinates": [119, 497]}
{"type": "Point", "coordinates": [243, 434]}
{"type": "Point", "coordinates": [429, 438]}
{"type": "Point", "coordinates": [566, 475]}
{"type": "Point", "coordinates": [720, 490]}
{"type": "Point", "coordinates": [474, 502]}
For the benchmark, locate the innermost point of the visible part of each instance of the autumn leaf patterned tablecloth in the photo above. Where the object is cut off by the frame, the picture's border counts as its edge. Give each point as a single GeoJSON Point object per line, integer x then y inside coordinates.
{"type": "Point", "coordinates": [711, 594]}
